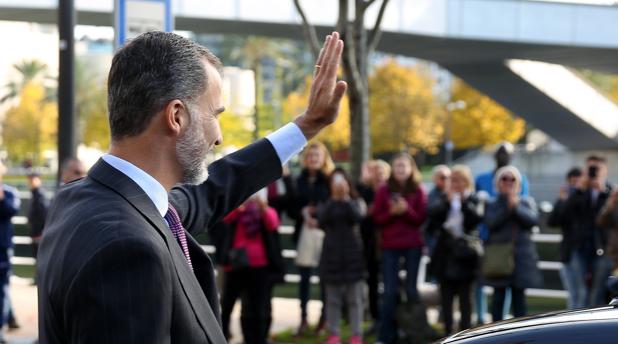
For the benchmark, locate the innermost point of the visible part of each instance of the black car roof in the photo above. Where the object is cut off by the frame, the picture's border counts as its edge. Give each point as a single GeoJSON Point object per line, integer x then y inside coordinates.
{"type": "Point", "coordinates": [593, 314]}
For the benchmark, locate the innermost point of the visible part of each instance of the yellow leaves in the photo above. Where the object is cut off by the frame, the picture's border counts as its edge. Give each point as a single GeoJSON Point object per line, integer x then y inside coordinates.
{"type": "Point", "coordinates": [236, 130]}
{"type": "Point", "coordinates": [403, 109]}
{"type": "Point", "coordinates": [31, 126]}
{"type": "Point", "coordinates": [482, 121]}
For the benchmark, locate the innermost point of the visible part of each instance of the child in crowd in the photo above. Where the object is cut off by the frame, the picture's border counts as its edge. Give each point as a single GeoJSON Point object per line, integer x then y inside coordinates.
{"type": "Point", "coordinates": [342, 266]}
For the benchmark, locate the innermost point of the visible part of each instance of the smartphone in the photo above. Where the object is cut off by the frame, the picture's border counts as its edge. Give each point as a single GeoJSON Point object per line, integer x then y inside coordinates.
{"type": "Point", "coordinates": [338, 179]}
{"type": "Point", "coordinates": [593, 171]}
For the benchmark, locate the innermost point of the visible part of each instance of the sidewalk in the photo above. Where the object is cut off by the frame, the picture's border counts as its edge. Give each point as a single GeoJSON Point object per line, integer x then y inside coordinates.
{"type": "Point", "coordinates": [24, 299]}
{"type": "Point", "coordinates": [286, 313]}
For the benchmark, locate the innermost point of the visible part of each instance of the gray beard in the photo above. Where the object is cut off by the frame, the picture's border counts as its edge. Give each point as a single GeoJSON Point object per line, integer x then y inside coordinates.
{"type": "Point", "coordinates": [191, 151]}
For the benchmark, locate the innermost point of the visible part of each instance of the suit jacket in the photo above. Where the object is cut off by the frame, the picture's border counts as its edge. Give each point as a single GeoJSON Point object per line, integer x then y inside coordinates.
{"type": "Point", "coordinates": [110, 270]}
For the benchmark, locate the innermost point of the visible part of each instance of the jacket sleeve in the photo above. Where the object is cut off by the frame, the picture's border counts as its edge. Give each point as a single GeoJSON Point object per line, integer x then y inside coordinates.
{"type": "Point", "coordinates": [271, 219]}
{"type": "Point", "coordinates": [38, 212]}
{"type": "Point", "coordinates": [556, 217]}
{"type": "Point", "coordinates": [607, 216]}
{"type": "Point", "coordinates": [437, 208]}
{"type": "Point", "coordinates": [323, 214]}
{"type": "Point", "coordinates": [473, 212]}
{"type": "Point", "coordinates": [9, 205]}
{"type": "Point", "coordinates": [526, 213]}
{"type": "Point", "coordinates": [417, 209]}
{"type": "Point", "coordinates": [381, 209]}
{"type": "Point", "coordinates": [231, 181]}
{"type": "Point", "coordinates": [496, 215]}
{"type": "Point", "coordinates": [127, 285]}
{"type": "Point", "coordinates": [358, 209]}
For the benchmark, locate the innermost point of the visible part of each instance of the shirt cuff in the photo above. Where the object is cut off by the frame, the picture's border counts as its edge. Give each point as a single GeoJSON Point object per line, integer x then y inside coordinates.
{"type": "Point", "coordinates": [288, 141]}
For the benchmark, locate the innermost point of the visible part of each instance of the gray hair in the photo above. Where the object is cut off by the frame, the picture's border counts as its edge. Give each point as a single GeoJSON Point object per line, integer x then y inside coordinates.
{"type": "Point", "coordinates": [150, 71]}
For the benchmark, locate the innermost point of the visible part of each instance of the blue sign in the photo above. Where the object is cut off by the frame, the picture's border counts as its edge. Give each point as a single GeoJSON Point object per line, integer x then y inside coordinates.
{"type": "Point", "coordinates": [134, 17]}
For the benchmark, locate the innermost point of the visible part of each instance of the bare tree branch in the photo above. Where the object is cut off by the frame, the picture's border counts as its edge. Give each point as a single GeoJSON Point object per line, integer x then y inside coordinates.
{"type": "Point", "coordinates": [374, 37]}
{"type": "Point", "coordinates": [308, 30]}
{"type": "Point", "coordinates": [342, 20]}
{"type": "Point", "coordinates": [355, 79]}
{"type": "Point", "coordinates": [367, 4]}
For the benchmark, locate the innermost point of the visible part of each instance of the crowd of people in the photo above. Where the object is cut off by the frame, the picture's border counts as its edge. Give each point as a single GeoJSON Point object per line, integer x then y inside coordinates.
{"type": "Point", "coordinates": [476, 231]}
{"type": "Point", "coordinates": [354, 236]}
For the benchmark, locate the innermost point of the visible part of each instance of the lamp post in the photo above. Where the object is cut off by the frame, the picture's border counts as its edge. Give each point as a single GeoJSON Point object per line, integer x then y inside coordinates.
{"type": "Point", "coordinates": [448, 144]}
{"type": "Point", "coordinates": [66, 83]}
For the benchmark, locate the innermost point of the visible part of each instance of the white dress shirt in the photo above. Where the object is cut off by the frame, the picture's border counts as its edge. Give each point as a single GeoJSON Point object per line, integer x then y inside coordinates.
{"type": "Point", "coordinates": [287, 141]}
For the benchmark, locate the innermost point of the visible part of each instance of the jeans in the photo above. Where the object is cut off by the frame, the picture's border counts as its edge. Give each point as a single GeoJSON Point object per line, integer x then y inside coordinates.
{"type": "Point", "coordinates": [519, 303]}
{"type": "Point", "coordinates": [600, 268]}
{"type": "Point", "coordinates": [481, 303]}
{"type": "Point", "coordinates": [390, 275]}
{"type": "Point", "coordinates": [569, 283]}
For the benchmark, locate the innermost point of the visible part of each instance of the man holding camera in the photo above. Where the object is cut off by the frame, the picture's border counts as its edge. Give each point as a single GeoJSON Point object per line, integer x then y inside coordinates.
{"type": "Point", "coordinates": [587, 239]}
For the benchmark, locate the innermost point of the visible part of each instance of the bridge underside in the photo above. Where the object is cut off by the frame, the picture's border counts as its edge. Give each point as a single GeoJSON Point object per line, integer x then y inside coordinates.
{"type": "Point", "coordinates": [480, 63]}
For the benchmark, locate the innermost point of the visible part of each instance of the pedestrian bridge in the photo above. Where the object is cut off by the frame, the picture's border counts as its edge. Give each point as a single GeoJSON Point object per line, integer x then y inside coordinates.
{"type": "Point", "coordinates": [519, 52]}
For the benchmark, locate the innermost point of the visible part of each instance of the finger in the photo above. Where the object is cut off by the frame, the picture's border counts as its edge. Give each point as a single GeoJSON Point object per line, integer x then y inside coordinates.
{"type": "Point", "coordinates": [329, 50]}
{"type": "Point", "coordinates": [331, 67]}
{"type": "Point", "coordinates": [340, 89]}
{"type": "Point", "coordinates": [318, 63]}
{"type": "Point", "coordinates": [320, 59]}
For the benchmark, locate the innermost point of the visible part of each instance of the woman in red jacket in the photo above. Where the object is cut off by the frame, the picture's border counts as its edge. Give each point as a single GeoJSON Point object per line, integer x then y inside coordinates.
{"type": "Point", "coordinates": [246, 267]}
{"type": "Point", "coordinates": [399, 210]}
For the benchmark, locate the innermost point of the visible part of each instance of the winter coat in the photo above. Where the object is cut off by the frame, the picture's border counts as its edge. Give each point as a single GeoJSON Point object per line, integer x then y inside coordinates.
{"type": "Point", "coordinates": [580, 222]}
{"type": "Point", "coordinates": [305, 193]}
{"type": "Point", "coordinates": [445, 264]}
{"type": "Point", "coordinates": [515, 225]}
{"type": "Point", "coordinates": [608, 218]}
{"type": "Point", "coordinates": [400, 231]}
{"type": "Point", "coordinates": [342, 258]}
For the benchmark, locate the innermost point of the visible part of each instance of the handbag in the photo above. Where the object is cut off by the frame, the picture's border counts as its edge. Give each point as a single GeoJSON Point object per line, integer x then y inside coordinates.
{"type": "Point", "coordinates": [499, 260]}
{"type": "Point", "coordinates": [309, 247]}
{"type": "Point", "coordinates": [237, 258]}
{"type": "Point", "coordinates": [467, 247]}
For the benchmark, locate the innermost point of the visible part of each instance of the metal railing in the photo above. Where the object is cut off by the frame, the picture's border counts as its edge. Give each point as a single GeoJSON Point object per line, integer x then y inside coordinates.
{"type": "Point", "coordinates": [295, 278]}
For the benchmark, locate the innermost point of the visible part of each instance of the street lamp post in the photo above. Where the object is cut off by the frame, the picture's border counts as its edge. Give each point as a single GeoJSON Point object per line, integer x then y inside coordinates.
{"type": "Point", "coordinates": [66, 83]}
{"type": "Point", "coordinates": [448, 144]}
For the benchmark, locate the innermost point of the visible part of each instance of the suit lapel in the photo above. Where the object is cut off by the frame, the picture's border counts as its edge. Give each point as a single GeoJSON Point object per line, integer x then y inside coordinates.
{"type": "Point", "coordinates": [107, 175]}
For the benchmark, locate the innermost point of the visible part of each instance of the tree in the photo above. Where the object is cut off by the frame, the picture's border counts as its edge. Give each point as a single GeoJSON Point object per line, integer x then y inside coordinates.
{"type": "Point", "coordinates": [482, 121]}
{"type": "Point", "coordinates": [359, 44]}
{"type": "Point", "coordinates": [30, 127]}
{"type": "Point", "coordinates": [236, 130]}
{"type": "Point", "coordinates": [405, 114]}
{"type": "Point", "coordinates": [91, 106]}
{"type": "Point", "coordinates": [28, 71]}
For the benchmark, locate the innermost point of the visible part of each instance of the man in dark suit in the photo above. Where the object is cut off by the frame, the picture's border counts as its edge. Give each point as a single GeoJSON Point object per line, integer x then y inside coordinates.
{"type": "Point", "coordinates": [117, 263]}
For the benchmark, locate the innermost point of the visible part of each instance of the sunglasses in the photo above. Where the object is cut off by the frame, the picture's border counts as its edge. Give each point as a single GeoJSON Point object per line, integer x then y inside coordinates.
{"type": "Point", "coordinates": [507, 179]}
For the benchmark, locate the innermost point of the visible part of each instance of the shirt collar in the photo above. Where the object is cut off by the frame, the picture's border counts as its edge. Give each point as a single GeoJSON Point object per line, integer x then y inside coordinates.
{"type": "Point", "coordinates": [155, 191]}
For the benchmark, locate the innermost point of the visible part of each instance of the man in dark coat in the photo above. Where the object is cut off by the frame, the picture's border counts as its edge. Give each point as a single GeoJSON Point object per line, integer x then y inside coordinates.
{"type": "Point", "coordinates": [118, 263]}
{"type": "Point", "coordinates": [587, 240]}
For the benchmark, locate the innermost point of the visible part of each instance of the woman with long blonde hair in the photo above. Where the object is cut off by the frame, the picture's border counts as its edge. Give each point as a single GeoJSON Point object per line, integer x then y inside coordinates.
{"type": "Point", "coordinates": [311, 190]}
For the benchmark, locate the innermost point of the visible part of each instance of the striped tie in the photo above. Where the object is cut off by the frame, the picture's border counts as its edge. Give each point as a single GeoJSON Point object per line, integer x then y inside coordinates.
{"type": "Point", "coordinates": [173, 220]}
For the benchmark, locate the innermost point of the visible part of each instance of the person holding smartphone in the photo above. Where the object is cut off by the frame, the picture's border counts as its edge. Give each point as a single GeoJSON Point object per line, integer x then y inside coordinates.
{"type": "Point", "coordinates": [588, 239]}
{"type": "Point", "coordinates": [399, 211]}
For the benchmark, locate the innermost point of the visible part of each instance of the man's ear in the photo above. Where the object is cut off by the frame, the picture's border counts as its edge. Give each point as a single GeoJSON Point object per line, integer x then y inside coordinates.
{"type": "Point", "coordinates": [175, 116]}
